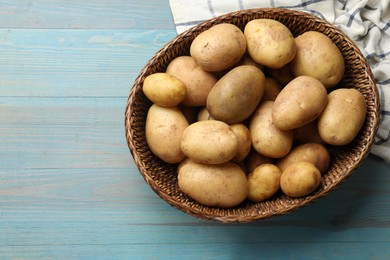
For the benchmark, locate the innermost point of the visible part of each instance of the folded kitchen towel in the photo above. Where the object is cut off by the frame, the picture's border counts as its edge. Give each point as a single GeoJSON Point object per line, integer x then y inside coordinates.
{"type": "Point", "coordinates": [366, 22]}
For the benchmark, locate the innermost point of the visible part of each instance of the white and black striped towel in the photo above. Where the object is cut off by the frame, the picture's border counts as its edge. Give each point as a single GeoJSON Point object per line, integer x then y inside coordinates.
{"type": "Point", "coordinates": [367, 22]}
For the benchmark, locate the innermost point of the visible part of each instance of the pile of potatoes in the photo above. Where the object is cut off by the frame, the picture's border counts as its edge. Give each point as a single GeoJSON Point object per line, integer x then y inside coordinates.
{"type": "Point", "coordinates": [250, 113]}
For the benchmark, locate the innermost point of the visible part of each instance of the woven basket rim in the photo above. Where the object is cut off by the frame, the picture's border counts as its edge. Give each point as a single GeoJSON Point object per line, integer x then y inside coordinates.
{"type": "Point", "coordinates": [227, 215]}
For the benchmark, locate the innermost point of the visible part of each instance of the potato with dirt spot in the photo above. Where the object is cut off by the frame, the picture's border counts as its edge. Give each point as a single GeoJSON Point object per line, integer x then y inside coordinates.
{"type": "Point", "coordinates": [209, 142]}
{"type": "Point", "coordinates": [198, 82]}
{"type": "Point", "coordinates": [219, 47]}
{"type": "Point", "coordinates": [164, 129]}
{"type": "Point", "coordinates": [264, 182]}
{"type": "Point", "coordinates": [236, 95]}
{"type": "Point", "coordinates": [269, 42]}
{"type": "Point", "coordinates": [300, 102]}
{"type": "Point", "coordinates": [300, 179]}
{"type": "Point", "coordinates": [319, 57]}
{"type": "Point", "coordinates": [267, 139]}
{"type": "Point", "coordinates": [222, 185]}
{"type": "Point", "coordinates": [343, 116]}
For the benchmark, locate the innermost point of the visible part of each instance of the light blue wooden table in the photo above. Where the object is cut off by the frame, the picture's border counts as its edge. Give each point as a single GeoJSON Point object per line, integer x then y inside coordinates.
{"type": "Point", "coordinates": [68, 186]}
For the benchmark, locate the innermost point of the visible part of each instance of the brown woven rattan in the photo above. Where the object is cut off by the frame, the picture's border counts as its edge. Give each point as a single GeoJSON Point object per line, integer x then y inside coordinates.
{"type": "Point", "coordinates": [162, 177]}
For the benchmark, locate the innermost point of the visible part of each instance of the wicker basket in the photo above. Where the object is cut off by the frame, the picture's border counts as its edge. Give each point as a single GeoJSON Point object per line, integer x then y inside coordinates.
{"type": "Point", "coordinates": [162, 177]}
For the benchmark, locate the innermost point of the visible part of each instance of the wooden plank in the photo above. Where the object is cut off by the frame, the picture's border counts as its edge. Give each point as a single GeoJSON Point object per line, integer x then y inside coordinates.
{"type": "Point", "coordinates": [114, 14]}
{"type": "Point", "coordinates": [75, 63]}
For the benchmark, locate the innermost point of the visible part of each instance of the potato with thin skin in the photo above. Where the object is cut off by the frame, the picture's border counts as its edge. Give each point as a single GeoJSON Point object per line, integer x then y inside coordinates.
{"type": "Point", "coordinates": [343, 116]}
{"type": "Point", "coordinates": [219, 47]}
{"type": "Point", "coordinates": [222, 185]}
{"type": "Point", "coordinates": [263, 182]}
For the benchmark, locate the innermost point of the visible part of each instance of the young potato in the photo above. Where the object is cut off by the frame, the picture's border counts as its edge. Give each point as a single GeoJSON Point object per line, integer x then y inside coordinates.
{"type": "Point", "coordinates": [300, 179]}
{"type": "Point", "coordinates": [267, 139]}
{"type": "Point", "coordinates": [255, 159]}
{"type": "Point", "coordinates": [198, 82]}
{"type": "Point", "coordinates": [209, 142]}
{"type": "Point", "coordinates": [300, 102]}
{"type": "Point", "coordinates": [236, 95]}
{"type": "Point", "coordinates": [164, 89]}
{"type": "Point", "coordinates": [319, 57]}
{"type": "Point", "coordinates": [343, 116]}
{"type": "Point", "coordinates": [223, 185]}
{"type": "Point", "coordinates": [314, 153]}
{"type": "Point", "coordinates": [269, 42]}
{"type": "Point", "coordinates": [263, 182]}
{"type": "Point", "coordinates": [272, 89]}
{"type": "Point", "coordinates": [244, 141]}
{"type": "Point", "coordinates": [164, 128]}
{"type": "Point", "coordinates": [219, 47]}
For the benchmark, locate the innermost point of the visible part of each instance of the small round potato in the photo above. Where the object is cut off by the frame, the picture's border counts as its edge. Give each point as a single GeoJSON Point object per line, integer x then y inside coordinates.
{"type": "Point", "coordinates": [209, 142]}
{"type": "Point", "coordinates": [263, 182]}
{"type": "Point", "coordinates": [269, 42]}
{"type": "Point", "coordinates": [267, 139]}
{"type": "Point", "coordinates": [236, 95]}
{"type": "Point", "coordinates": [198, 82]}
{"type": "Point", "coordinates": [300, 102]}
{"type": "Point", "coordinates": [223, 185]}
{"type": "Point", "coordinates": [219, 47]}
{"type": "Point", "coordinates": [319, 57]}
{"type": "Point", "coordinates": [300, 179]}
{"type": "Point", "coordinates": [255, 159]}
{"type": "Point", "coordinates": [164, 129]}
{"type": "Point", "coordinates": [343, 116]}
{"type": "Point", "coordinates": [244, 141]}
{"type": "Point", "coordinates": [164, 89]}
{"type": "Point", "coordinates": [314, 153]}
{"type": "Point", "coordinates": [272, 89]}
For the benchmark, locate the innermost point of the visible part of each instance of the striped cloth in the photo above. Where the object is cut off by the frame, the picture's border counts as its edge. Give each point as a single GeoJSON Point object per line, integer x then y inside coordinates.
{"type": "Point", "coordinates": [366, 22]}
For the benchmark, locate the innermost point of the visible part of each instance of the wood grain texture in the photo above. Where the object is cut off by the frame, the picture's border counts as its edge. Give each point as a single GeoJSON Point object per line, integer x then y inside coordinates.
{"type": "Point", "coordinates": [68, 186]}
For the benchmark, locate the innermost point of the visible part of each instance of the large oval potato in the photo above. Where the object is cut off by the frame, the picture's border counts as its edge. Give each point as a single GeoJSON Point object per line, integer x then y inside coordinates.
{"type": "Point", "coordinates": [235, 96]}
{"type": "Point", "coordinates": [314, 153]}
{"type": "Point", "coordinates": [209, 142]}
{"type": "Point", "coordinates": [300, 102]}
{"type": "Point", "coordinates": [319, 57]}
{"type": "Point", "coordinates": [219, 47]}
{"type": "Point", "coordinates": [300, 179]}
{"type": "Point", "coordinates": [164, 89]}
{"type": "Point", "coordinates": [223, 185]}
{"type": "Point", "coordinates": [269, 42]}
{"type": "Point", "coordinates": [198, 82]}
{"type": "Point", "coordinates": [164, 129]}
{"type": "Point", "coordinates": [267, 139]}
{"type": "Point", "coordinates": [264, 182]}
{"type": "Point", "coordinates": [343, 116]}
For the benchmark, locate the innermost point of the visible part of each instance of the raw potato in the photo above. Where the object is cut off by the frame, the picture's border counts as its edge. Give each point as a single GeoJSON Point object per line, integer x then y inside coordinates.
{"type": "Point", "coordinates": [209, 142]}
{"type": "Point", "coordinates": [269, 42]}
{"type": "Point", "coordinates": [255, 159]}
{"type": "Point", "coordinates": [319, 57]}
{"type": "Point", "coordinates": [299, 103]}
{"type": "Point", "coordinates": [198, 82]}
{"type": "Point", "coordinates": [314, 153]}
{"type": "Point", "coordinates": [204, 114]}
{"type": "Point", "coordinates": [263, 182]}
{"type": "Point", "coordinates": [343, 116]}
{"type": "Point", "coordinates": [236, 95]}
{"type": "Point", "coordinates": [164, 89]}
{"type": "Point", "coordinates": [164, 129]}
{"type": "Point", "coordinates": [300, 179]}
{"type": "Point", "coordinates": [244, 141]}
{"type": "Point", "coordinates": [223, 185]}
{"type": "Point", "coordinates": [219, 47]}
{"type": "Point", "coordinates": [267, 139]}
